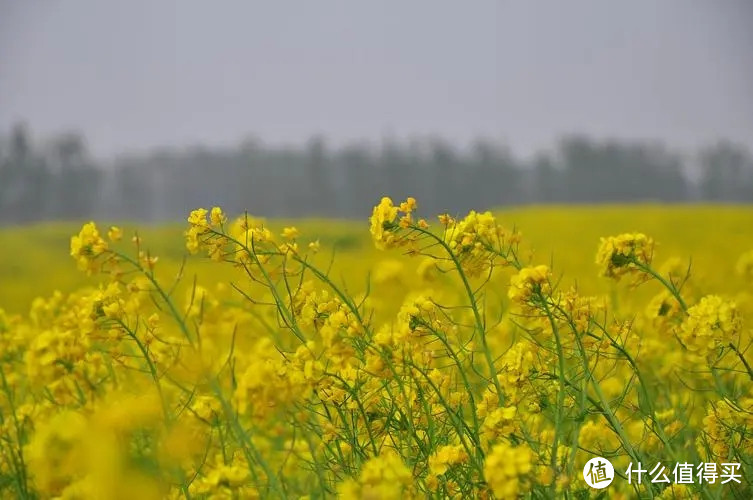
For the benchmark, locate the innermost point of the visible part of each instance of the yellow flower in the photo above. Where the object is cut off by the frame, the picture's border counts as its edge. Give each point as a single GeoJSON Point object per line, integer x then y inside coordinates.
{"type": "Point", "coordinates": [409, 205]}
{"type": "Point", "coordinates": [217, 217]}
{"type": "Point", "coordinates": [223, 481]}
{"type": "Point", "coordinates": [87, 246]}
{"type": "Point", "coordinates": [500, 423]}
{"type": "Point", "coordinates": [726, 430]}
{"type": "Point", "coordinates": [445, 219]}
{"type": "Point", "coordinates": [55, 454]}
{"type": "Point", "coordinates": [198, 217]}
{"type": "Point", "coordinates": [711, 323]}
{"type": "Point", "coordinates": [406, 221]}
{"type": "Point", "coordinates": [663, 306]}
{"type": "Point", "coordinates": [477, 240]}
{"type": "Point", "coordinates": [290, 233]}
{"type": "Point", "coordinates": [198, 227]}
{"type": "Point", "coordinates": [528, 282]}
{"type": "Point", "coordinates": [445, 457]}
{"type": "Point", "coordinates": [676, 491]}
{"type": "Point", "coordinates": [506, 470]}
{"type": "Point", "coordinates": [594, 435]}
{"type": "Point", "coordinates": [153, 321]}
{"type": "Point", "coordinates": [383, 223]}
{"type": "Point", "coordinates": [115, 233]}
{"type": "Point", "coordinates": [383, 477]}
{"type": "Point", "coordinates": [624, 254]}
{"type": "Point", "coordinates": [388, 271]}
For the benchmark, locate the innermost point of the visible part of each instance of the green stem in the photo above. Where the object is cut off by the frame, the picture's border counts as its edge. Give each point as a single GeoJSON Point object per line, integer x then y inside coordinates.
{"type": "Point", "coordinates": [474, 306]}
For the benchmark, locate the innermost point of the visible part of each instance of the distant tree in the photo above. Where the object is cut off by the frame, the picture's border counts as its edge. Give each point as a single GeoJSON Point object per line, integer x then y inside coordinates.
{"type": "Point", "coordinates": [360, 176]}
{"type": "Point", "coordinates": [483, 182]}
{"type": "Point", "coordinates": [134, 192]}
{"type": "Point", "coordinates": [615, 171]}
{"type": "Point", "coordinates": [25, 180]}
{"type": "Point", "coordinates": [77, 188]}
{"type": "Point", "coordinates": [63, 181]}
{"type": "Point", "coordinates": [398, 171]}
{"type": "Point", "coordinates": [445, 178]}
{"type": "Point", "coordinates": [320, 193]}
{"type": "Point", "coordinates": [581, 167]}
{"type": "Point", "coordinates": [547, 180]}
{"type": "Point", "coordinates": [726, 173]}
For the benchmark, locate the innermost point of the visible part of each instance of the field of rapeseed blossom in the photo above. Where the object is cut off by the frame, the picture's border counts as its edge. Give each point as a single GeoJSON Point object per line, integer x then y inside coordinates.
{"type": "Point", "coordinates": [462, 365]}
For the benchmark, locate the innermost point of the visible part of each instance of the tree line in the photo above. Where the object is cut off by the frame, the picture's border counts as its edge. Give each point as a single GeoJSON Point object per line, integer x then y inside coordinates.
{"type": "Point", "coordinates": [57, 179]}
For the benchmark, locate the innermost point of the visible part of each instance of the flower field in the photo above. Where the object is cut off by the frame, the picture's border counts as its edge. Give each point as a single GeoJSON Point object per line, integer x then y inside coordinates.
{"type": "Point", "coordinates": [413, 355]}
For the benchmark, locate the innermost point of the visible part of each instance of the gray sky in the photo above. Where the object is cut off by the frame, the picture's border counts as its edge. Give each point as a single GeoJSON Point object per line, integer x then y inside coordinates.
{"type": "Point", "coordinates": [140, 73]}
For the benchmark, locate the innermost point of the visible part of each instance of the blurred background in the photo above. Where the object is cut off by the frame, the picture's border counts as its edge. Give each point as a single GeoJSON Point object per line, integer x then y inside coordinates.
{"type": "Point", "coordinates": [143, 110]}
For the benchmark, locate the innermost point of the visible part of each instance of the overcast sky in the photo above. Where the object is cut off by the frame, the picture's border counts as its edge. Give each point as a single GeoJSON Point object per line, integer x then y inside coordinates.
{"type": "Point", "coordinates": [140, 73]}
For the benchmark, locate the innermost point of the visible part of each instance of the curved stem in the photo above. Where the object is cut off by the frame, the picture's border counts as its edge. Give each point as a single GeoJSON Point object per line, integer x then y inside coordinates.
{"type": "Point", "coordinates": [474, 306]}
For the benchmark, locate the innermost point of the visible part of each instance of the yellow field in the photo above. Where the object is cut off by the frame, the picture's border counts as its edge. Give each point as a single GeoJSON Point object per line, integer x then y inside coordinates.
{"type": "Point", "coordinates": [481, 357]}
{"type": "Point", "coordinates": [36, 263]}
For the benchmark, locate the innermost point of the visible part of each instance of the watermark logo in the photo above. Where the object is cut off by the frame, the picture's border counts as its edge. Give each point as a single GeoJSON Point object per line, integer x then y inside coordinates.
{"type": "Point", "coordinates": [598, 473]}
{"type": "Point", "coordinates": [685, 473]}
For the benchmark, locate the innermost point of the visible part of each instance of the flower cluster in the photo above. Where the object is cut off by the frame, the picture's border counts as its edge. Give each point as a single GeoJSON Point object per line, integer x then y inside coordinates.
{"type": "Point", "coordinates": [87, 246]}
{"type": "Point", "coordinates": [507, 468]}
{"type": "Point", "coordinates": [711, 323]}
{"type": "Point", "coordinates": [478, 240]}
{"type": "Point", "coordinates": [727, 430]}
{"type": "Point", "coordinates": [624, 254]}
{"type": "Point", "coordinates": [384, 476]}
{"type": "Point", "coordinates": [386, 222]}
{"type": "Point", "coordinates": [530, 283]}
